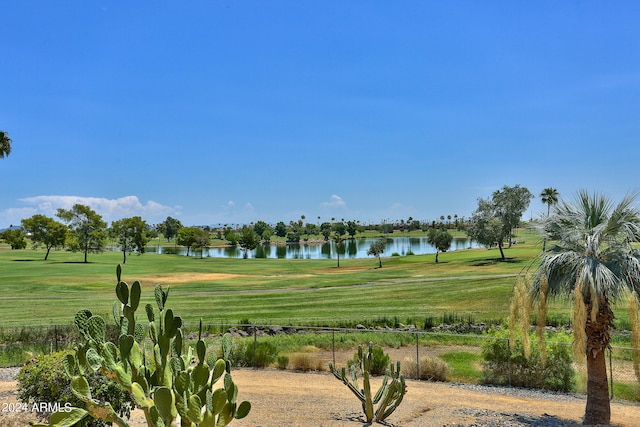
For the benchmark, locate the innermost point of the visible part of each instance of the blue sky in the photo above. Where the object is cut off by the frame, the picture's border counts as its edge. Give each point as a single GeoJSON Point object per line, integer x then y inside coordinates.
{"type": "Point", "coordinates": [236, 111]}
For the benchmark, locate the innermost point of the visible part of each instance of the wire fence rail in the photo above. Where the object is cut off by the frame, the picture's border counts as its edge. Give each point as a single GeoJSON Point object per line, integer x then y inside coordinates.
{"type": "Point", "coordinates": [326, 345]}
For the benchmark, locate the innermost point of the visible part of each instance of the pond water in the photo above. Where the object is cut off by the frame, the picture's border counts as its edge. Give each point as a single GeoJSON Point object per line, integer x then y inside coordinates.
{"type": "Point", "coordinates": [351, 248]}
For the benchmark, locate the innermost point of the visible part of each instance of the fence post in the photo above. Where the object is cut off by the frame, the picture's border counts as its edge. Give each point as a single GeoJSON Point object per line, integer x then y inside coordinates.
{"type": "Point", "coordinates": [610, 373]}
{"type": "Point", "coordinates": [333, 345]}
{"type": "Point", "coordinates": [55, 331]}
{"type": "Point", "coordinates": [255, 340]}
{"type": "Point", "coordinates": [509, 361]}
{"type": "Point", "coordinates": [417, 357]}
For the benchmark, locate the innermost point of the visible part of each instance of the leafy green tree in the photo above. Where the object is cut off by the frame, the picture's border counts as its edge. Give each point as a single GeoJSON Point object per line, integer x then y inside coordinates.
{"type": "Point", "coordinates": [170, 227]}
{"type": "Point", "coordinates": [294, 233]}
{"type": "Point", "coordinates": [441, 239]}
{"type": "Point", "coordinates": [281, 229]}
{"type": "Point", "coordinates": [485, 228]}
{"type": "Point", "coordinates": [188, 237]}
{"type": "Point", "coordinates": [131, 234]}
{"type": "Point", "coordinates": [549, 197]}
{"type": "Point", "coordinates": [325, 230]}
{"type": "Point", "coordinates": [232, 237]}
{"type": "Point", "coordinates": [414, 225]}
{"type": "Point", "coordinates": [14, 237]}
{"type": "Point", "coordinates": [248, 240]}
{"type": "Point", "coordinates": [45, 231]}
{"type": "Point", "coordinates": [339, 227]}
{"type": "Point", "coordinates": [5, 144]}
{"type": "Point", "coordinates": [352, 228]}
{"type": "Point", "coordinates": [311, 229]}
{"type": "Point", "coordinates": [594, 261]}
{"type": "Point", "coordinates": [377, 249]}
{"type": "Point", "coordinates": [88, 232]}
{"type": "Point", "coordinates": [203, 240]}
{"type": "Point", "coordinates": [260, 227]}
{"type": "Point", "coordinates": [495, 218]}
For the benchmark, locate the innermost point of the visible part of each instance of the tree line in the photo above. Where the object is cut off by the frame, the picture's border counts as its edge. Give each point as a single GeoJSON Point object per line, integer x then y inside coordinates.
{"type": "Point", "coordinates": [82, 229]}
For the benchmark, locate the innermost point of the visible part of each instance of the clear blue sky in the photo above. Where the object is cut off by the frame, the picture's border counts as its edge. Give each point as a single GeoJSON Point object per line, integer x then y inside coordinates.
{"type": "Point", "coordinates": [236, 111]}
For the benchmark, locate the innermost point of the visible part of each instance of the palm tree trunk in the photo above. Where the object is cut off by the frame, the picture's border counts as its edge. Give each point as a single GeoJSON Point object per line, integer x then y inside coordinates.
{"type": "Point", "coordinates": [598, 409]}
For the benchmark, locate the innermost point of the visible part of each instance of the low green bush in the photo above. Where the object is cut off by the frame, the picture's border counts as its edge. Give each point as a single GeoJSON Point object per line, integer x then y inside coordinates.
{"type": "Point", "coordinates": [505, 366]}
{"type": "Point", "coordinates": [259, 356]}
{"type": "Point", "coordinates": [248, 354]}
{"type": "Point", "coordinates": [43, 380]}
{"type": "Point", "coordinates": [283, 362]}
{"type": "Point", "coordinates": [379, 361]}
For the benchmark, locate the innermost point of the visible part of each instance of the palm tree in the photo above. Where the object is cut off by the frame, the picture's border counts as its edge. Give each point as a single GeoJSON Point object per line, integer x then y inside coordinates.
{"type": "Point", "coordinates": [592, 261]}
{"type": "Point", "coordinates": [5, 144]}
{"type": "Point", "coordinates": [549, 197]}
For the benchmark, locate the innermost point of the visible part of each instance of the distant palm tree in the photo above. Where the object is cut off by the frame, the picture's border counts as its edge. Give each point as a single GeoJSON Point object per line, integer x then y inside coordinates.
{"type": "Point", "coordinates": [549, 197]}
{"type": "Point", "coordinates": [5, 144]}
{"type": "Point", "coordinates": [593, 260]}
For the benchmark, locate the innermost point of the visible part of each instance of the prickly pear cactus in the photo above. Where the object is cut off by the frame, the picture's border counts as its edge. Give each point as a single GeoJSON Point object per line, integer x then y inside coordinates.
{"type": "Point", "coordinates": [389, 395]}
{"type": "Point", "coordinates": [167, 389]}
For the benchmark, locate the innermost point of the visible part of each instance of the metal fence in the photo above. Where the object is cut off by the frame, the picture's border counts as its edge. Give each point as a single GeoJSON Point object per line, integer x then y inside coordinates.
{"type": "Point", "coordinates": [321, 346]}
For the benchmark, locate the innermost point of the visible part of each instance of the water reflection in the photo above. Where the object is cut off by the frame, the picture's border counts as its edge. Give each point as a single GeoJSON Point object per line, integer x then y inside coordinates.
{"type": "Point", "coordinates": [351, 248]}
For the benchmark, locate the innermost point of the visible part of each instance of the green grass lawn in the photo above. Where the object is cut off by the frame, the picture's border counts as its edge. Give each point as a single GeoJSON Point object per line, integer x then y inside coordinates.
{"type": "Point", "coordinates": [468, 283]}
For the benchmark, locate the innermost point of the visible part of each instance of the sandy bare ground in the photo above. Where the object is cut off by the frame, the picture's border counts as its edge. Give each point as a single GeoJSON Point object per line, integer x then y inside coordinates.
{"type": "Point", "coordinates": [287, 398]}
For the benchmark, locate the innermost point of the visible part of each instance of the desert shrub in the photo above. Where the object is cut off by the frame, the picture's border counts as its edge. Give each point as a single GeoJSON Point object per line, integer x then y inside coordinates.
{"type": "Point", "coordinates": [303, 362]}
{"type": "Point", "coordinates": [247, 354]}
{"type": "Point", "coordinates": [283, 362]}
{"type": "Point", "coordinates": [379, 362]}
{"type": "Point", "coordinates": [430, 369]}
{"type": "Point", "coordinates": [505, 366]}
{"type": "Point", "coordinates": [43, 379]}
{"type": "Point", "coordinates": [259, 356]}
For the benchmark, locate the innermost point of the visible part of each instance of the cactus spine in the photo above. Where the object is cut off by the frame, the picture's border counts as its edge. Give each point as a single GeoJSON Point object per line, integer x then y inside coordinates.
{"type": "Point", "coordinates": [389, 395]}
{"type": "Point", "coordinates": [170, 387]}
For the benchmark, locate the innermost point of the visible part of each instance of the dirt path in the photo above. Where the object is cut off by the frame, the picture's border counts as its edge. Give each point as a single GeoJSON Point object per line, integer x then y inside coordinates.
{"type": "Point", "coordinates": [286, 398]}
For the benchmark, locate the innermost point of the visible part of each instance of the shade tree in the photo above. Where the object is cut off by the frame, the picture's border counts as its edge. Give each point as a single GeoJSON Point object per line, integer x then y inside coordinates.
{"type": "Point", "coordinates": [495, 218]}
{"type": "Point", "coordinates": [441, 239]}
{"type": "Point", "coordinates": [377, 249]}
{"type": "Point", "coordinates": [189, 237]}
{"type": "Point", "coordinates": [45, 231]}
{"type": "Point", "coordinates": [325, 230]}
{"type": "Point", "coordinates": [170, 227]}
{"type": "Point", "coordinates": [131, 235]}
{"type": "Point", "coordinates": [248, 240]}
{"type": "Point", "coordinates": [14, 237]}
{"type": "Point", "coordinates": [87, 230]}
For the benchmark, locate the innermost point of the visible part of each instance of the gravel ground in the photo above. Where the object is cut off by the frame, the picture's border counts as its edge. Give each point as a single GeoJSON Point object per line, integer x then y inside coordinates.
{"type": "Point", "coordinates": [286, 398]}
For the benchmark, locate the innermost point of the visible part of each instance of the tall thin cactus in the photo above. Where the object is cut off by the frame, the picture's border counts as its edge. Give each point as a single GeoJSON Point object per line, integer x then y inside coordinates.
{"type": "Point", "coordinates": [169, 387]}
{"type": "Point", "coordinates": [389, 395]}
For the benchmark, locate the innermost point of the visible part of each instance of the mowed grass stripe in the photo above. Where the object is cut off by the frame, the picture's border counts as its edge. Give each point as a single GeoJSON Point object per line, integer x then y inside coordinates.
{"type": "Point", "coordinates": [465, 283]}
